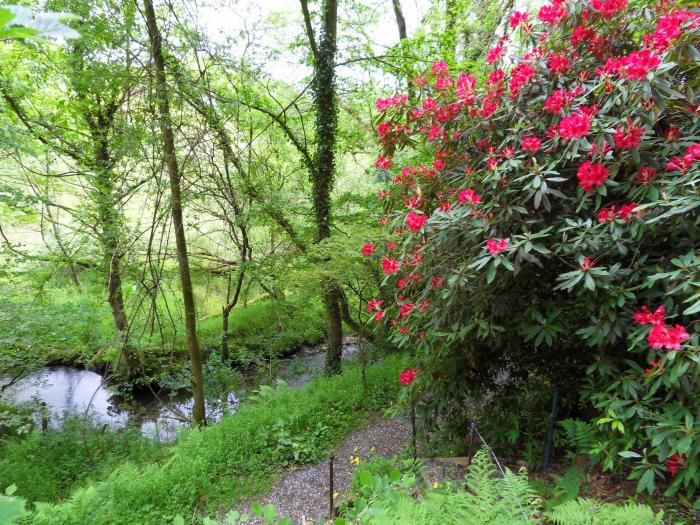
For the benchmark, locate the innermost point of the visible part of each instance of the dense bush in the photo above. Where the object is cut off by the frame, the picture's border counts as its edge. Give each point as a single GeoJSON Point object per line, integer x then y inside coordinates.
{"type": "Point", "coordinates": [235, 458]}
{"type": "Point", "coordinates": [544, 224]}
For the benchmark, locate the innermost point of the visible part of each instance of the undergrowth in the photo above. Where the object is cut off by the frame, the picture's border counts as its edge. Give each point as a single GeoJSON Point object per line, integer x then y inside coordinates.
{"type": "Point", "coordinates": [216, 466]}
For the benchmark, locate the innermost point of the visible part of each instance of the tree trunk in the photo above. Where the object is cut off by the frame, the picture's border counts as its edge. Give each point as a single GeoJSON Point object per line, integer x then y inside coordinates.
{"type": "Point", "coordinates": [109, 222]}
{"type": "Point", "coordinates": [325, 103]}
{"type": "Point", "coordinates": [334, 353]}
{"type": "Point", "coordinates": [170, 157]}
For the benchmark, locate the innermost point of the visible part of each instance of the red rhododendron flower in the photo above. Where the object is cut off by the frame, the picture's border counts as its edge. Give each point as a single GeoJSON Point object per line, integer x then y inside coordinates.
{"type": "Point", "coordinates": [382, 163]}
{"type": "Point", "coordinates": [495, 247]}
{"type": "Point", "coordinates": [531, 144]}
{"type": "Point", "coordinates": [637, 64]}
{"type": "Point", "coordinates": [405, 309]}
{"type": "Point", "coordinates": [367, 249]}
{"type": "Point", "coordinates": [390, 265]}
{"type": "Point", "coordinates": [552, 14]}
{"type": "Point", "coordinates": [465, 89]}
{"type": "Point", "coordinates": [645, 316]}
{"type": "Point", "coordinates": [646, 175]}
{"type": "Point", "coordinates": [415, 221]}
{"type": "Point", "coordinates": [374, 305]}
{"type": "Point", "coordinates": [591, 176]}
{"type": "Point", "coordinates": [607, 8]}
{"type": "Point", "coordinates": [558, 100]}
{"type": "Point", "coordinates": [580, 34]}
{"type": "Point", "coordinates": [672, 134]}
{"type": "Point", "coordinates": [395, 101]}
{"type": "Point", "coordinates": [378, 316]}
{"type": "Point", "coordinates": [575, 127]}
{"type": "Point", "coordinates": [469, 196]}
{"type": "Point", "coordinates": [558, 64]}
{"type": "Point", "coordinates": [384, 128]}
{"type": "Point", "coordinates": [586, 264]}
{"type": "Point", "coordinates": [440, 68]}
{"type": "Point", "coordinates": [668, 29]}
{"type": "Point", "coordinates": [517, 18]}
{"type": "Point", "coordinates": [442, 83]}
{"type": "Point", "coordinates": [628, 138]}
{"type": "Point", "coordinates": [676, 336]}
{"type": "Point", "coordinates": [519, 76]}
{"type": "Point", "coordinates": [674, 463]}
{"type": "Point", "coordinates": [494, 54]}
{"type": "Point", "coordinates": [408, 376]}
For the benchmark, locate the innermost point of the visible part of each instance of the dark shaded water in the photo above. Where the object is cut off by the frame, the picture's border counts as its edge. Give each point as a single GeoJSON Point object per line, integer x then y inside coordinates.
{"type": "Point", "coordinates": [68, 391]}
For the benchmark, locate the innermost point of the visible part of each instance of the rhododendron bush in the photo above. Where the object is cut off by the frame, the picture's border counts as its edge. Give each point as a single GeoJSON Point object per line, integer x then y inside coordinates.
{"type": "Point", "coordinates": [544, 223]}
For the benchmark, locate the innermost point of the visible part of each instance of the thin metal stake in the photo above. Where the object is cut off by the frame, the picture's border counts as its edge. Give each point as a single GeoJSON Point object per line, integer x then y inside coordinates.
{"type": "Point", "coordinates": [550, 433]}
{"type": "Point", "coordinates": [413, 429]}
{"type": "Point", "coordinates": [331, 514]}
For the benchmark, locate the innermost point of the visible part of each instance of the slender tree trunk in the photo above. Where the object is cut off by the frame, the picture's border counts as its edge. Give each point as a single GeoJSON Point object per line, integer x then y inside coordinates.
{"type": "Point", "coordinates": [334, 353]}
{"type": "Point", "coordinates": [109, 222]}
{"type": "Point", "coordinates": [403, 35]}
{"type": "Point", "coordinates": [325, 102]}
{"type": "Point", "coordinates": [198, 411]}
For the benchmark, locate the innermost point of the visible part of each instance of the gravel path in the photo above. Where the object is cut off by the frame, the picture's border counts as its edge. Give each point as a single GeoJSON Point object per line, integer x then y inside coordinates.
{"type": "Point", "coordinates": [304, 492]}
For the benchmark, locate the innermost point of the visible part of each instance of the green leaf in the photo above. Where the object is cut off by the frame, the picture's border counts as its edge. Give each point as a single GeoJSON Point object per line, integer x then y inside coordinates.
{"type": "Point", "coordinates": [269, 512]}
{"type": "Point", "coordinates": [629, 454]}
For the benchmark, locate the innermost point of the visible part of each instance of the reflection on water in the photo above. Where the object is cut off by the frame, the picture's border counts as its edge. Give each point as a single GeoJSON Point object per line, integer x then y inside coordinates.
{"type": "Point", "coordinates": [69, 391]}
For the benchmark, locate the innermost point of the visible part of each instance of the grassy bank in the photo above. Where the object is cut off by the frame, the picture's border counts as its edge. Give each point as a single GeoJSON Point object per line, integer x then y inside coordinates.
{"type": "Point", "coordinates": [214, 467]}
{"type": "Point", "coordinates": [48, 466]}
{"type": "Point", "coordinates": [31, 313]}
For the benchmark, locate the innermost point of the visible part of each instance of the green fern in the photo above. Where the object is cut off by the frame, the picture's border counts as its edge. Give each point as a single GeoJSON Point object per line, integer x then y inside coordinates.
{"type": "Point", "coordinates": [567, 487]}
{"type": "Point", "coordinates": [588, 512]}
{"type": "Point", "coordinates": [579, 434]}
{"type": "Point", "coordinates": [489, 498]}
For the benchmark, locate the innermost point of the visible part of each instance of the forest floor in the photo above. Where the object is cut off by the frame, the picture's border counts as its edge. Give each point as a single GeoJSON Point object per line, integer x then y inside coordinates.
{"type": "Point", "coordinates": [302, 494]}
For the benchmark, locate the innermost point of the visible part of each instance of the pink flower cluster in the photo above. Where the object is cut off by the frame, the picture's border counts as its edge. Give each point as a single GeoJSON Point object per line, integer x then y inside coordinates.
{"type": "Point", "coordinates": [591, 176]}
{"type": "Point", "coordinates": [469, 196]}
{"type": "Point", "coordinates": [519, 76]}
{"type": "Point", "coordinates": [394, 101]}
{"type": "Point", "coordinates": [692, 155]}
{"type": "Point", "coordinates": [575, 127]}
{"type": "Point", "coordinates": [559, 99]}
{"type": "Point", "coordinates": [408, 376]}
{"type": "Point", "coordinates": [607, 8]}
{"type": "Point", "coordinates": [552, 13]}
{"type": "Point", "coordinates": [668, 28]}
{"type": "Point", "coordinates": [626, 212]}
{"type": "Point", "coordinates": [558, 64]}
{"type": "Point", "coordinates": [382, 163]}
{"type": "Point", "coordinates": [628, 138]}
{"type": "Point", "coordinates": [495, 247]}
{"type": "Point", "coordinates": [415, 221]}
{"type": "Point", "coordinates": [661, 336]}
{"type": "Point", "coordinates": [531, 144]}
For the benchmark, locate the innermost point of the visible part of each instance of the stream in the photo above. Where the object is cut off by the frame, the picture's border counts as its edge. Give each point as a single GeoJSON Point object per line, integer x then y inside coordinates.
{"type": "Point", "coordinates": [69, 391]}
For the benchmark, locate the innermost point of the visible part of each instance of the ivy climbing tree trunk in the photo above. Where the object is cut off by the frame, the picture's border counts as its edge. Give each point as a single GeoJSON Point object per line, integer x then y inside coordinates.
{"type": "Point", "coordinates": [325, 103]}
{"type": "Point", "coordinates": [170, 157]}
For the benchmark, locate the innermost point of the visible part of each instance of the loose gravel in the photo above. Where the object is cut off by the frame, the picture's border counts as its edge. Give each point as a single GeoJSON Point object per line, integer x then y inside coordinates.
{"type": "Point", "coordinates": [302, 494]}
